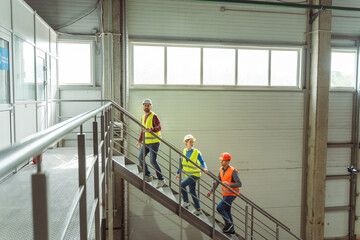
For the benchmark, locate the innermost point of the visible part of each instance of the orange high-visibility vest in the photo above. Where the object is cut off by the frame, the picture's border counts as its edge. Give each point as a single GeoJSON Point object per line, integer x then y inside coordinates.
{"type": "Point", "coordinates": [227, 178]}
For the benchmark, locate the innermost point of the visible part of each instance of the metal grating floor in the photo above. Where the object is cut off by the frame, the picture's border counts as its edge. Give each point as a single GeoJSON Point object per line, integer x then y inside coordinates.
{"type": "Point", "coordinates": [16, 201]}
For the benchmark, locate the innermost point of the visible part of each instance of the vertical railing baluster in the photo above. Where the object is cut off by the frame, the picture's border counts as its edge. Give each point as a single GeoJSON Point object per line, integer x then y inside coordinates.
{"type": "Point", "coordinates": [252, 223]}
{"type": "Point", "coordinates": [103, 220]}
{"type": "Point", "coordinates": [170, 168]}
{"type": "Point", "coordinates": [82, 183]}
{"type": "Point", "coordinates": [110, 136]}
{"type": "Point", "coordinates": [277, 232]}
{"type": "Point", "coordinates": [246, 221]}
{"type": "Point", "coordinates": [96, 179]}
{"type": "Point", "coordinates": [143, 158]}
{"type": "Point", "coordinates": [180, 174]}
{"type": "Point", "coordinates": [213, 215]}
{"type": "Point", "coordinates": [40, 203]}
{"type": "Point", "coordinates": [198, 188]}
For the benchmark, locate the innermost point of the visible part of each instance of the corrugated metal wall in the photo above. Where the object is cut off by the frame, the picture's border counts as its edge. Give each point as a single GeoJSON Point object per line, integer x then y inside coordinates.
{"type": "Point", "coordinates": [203, 20]}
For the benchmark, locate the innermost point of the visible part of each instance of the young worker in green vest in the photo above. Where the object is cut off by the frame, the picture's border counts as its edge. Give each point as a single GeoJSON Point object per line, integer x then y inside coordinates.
{"type": "Point", "coordinates": [151, 121]}
{"type": "Point", "coordinates": [192, 172]}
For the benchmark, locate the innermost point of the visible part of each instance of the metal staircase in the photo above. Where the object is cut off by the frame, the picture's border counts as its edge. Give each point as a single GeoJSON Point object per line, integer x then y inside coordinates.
{"type": "Point", "coordinates": [116, 151]}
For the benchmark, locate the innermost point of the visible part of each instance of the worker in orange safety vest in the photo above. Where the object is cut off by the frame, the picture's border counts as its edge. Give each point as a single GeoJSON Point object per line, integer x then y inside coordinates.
{"type": "Point", "coordinates": [229, 176]}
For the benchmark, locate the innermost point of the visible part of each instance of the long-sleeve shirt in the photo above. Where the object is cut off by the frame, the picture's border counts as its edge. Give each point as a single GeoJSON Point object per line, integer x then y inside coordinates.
{"type": "Point", "coordinates": [188, 154]}
{"type": "Point", "coordinates": [156, 125]}
{"type": "Point", "coordinates": [235, 177]}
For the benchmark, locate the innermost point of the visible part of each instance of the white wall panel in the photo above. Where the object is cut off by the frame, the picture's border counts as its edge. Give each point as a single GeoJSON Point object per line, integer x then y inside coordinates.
{"type": "Point", "coordinates": [262, 130]}
{"type": "Point", "coordinates": [346, 22]}
{"type": "Point", "coordinates": [337, 193]}
{"type": "Point", "coordinates": [338, 159]}
{"type": "Point", "coordinates": [42, 118]}
{"type": "Point", "coordinates": [71, 109]}
{"type": "Point", "coordinates": [42, 35]}
{"type": "Point", "coordinates": [53, 44]}
{"type": "Point", "coordinates": [340, 117]}
{"type": "Point", "coordinates": [25, 120]}
{"type": "Point", "coordinates": [204, 20]}
{"type": "Point", "coordinates": [5, 14]}
{"type": "Point", "coordinates": [5, 129]}
{"type": "Point", "coordinates": [23, 20]}
{"type": "Point", "coordinates": [336, 224]}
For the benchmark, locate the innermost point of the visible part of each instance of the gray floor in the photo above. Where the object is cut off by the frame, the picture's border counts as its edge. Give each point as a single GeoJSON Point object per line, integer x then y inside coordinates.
{"type": "Point", "coordinates": [16, 201]}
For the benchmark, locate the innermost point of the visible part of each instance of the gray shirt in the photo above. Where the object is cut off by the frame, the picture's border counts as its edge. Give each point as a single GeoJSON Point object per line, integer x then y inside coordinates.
{"type": "Point", "coordinates": [235, 177]}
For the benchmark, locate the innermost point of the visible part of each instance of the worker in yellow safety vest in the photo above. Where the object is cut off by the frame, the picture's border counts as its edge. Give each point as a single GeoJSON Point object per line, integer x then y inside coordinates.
{"type": "Point", "coordinates": [151, 121]}
{"type": "Point", "coordinates": [229, 176]}
{"type": "Point", "coordinates": [192, 173]}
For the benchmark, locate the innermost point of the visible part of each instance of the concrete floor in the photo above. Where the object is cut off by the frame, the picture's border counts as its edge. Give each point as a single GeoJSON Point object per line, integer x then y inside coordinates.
{"type": "Point", "coordinates": [16, 200]}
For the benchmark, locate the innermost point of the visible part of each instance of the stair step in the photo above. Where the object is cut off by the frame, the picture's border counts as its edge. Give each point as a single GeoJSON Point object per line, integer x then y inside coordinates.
{"type": "Point", "coordinates": [168, 192]}
{"type": "Point", "coordinates": [119, 159]}
{"type": "Point", "coordinates": [133, 168]}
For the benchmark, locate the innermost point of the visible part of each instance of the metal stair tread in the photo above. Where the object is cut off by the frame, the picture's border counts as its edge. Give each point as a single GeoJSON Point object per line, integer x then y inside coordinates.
{"type": "Point", "coordinates": [119, 159]}
{"type": "Point", "coordinates": [133, 168]}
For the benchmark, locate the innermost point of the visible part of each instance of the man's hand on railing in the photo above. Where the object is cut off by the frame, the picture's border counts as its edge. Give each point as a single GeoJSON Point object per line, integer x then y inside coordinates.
{"type": "Point", "coordinates": [148, 129]}
{"type": "Point", "coordinates": [205, 170]}
{"type": "Point", "coordinates": [208, 194]}
{"type": "Point", "coordinates": [138, 144]}
{"type": "Point", "coordinates": [177, 176]}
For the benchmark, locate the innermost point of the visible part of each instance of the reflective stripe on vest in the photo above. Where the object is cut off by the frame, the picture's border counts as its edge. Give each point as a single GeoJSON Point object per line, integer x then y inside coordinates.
{"type": "Point", "coordinates": [188, 167]}
{"type": "Point", "coordinates": [149, 138]}
{"type": "Point", "coordinates": [227, 178]}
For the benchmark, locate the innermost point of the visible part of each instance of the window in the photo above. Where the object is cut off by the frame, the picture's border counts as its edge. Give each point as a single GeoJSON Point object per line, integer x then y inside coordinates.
{"type": "Point", "coordinates": [4, 72]}
{"type": "Point", "coordinates": [219, 66]}
{"type": "Point", "coordinates": [40, 75]}
{"type": "Point", "coordinates": [284, 70]}
{"type": "Point", "coordinates": [24, 69]}
{"type": "Point", "coordinates": [75, 63]}
{"type": "Point", "coordinates": [253, 67]}
{"type": "Point", "coordinates": [215, 66]}
{"type": "Point", "coordinates": [183, 65]}
{"type": "Point", "coordinates": [148, 65]}
{"type": "Point", "coordinates": [343, 68]}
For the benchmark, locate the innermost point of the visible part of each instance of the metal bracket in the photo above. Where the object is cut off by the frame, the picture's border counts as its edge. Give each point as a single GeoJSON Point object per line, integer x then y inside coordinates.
{"type": "Point", "coordinates": [313, 16]}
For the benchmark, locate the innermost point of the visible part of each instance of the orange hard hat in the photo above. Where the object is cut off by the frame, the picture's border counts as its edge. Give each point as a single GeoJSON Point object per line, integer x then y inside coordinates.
{"type": "Point", "coordinates": [225, 156]}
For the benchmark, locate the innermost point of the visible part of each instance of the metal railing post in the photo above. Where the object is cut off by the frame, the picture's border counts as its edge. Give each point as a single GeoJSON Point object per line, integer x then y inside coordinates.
{"type": "Point", "coordinates": [277, 232]}
{"type": "Point", "coordinates": [252, 223]}
{"type": "Point", "coordinates": [103, 220]}
{"type": "Point", "coordinates": [170, 167]}
{"type": "Point", "coordinates": [110, 136]}
{"type": "Point", "coordinates": [40, 203]}
{"type": "Point", "coordinates": [246, 221]}
{"type": "Point", "coordinates": [198, 189]}
{"type": "Point", "coordinates": [96, 179]}
{"type": "Point", "coordinates": [213, 215]}
{"type": "Point", "coordinates": [180, 192]}
{"type": "Point", "coordinates": [143, 158]}
{"type": "Point", "coordinates": [82, 183]}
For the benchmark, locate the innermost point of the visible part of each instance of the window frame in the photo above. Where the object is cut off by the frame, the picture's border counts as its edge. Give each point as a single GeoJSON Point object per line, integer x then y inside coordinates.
{"type": "Point", "coordinates": [92, 61]}
{"type": "Point", "coordinates": [7, 38]}
{"type": "Point", "coordinates": [357, 68]}
{"type": "Point", "coordinates": [299, 75]}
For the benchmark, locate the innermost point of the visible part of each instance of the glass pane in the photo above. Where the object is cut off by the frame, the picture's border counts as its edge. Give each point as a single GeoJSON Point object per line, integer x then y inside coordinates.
{"type": "Point", "coordinates": [40, 78]}
{"type": "Point", "coordinates": [74, 63]}
{"type": "Point", "coordinates": [148, 65]}
{"type": "Point", "coordinates": [183, 65]}
{"type": "Point", "coordinates": [253, 67]}
{"type": "Point", "coordinates": [219, 66]}
{"type": "Point", "coordinates": [24, 69]}
{"type": "Point", "coordinates": [4, 72]}
{"type": "Point", "coordinates": [53, 76]}
{"type": "Point", "coordinates": [343, 67]}
{"type": "Point", "coordinates": [284, 68]}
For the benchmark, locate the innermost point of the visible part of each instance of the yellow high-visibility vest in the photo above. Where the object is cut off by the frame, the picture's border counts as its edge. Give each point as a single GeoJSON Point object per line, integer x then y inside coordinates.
{"type": "Point", "coordinates": [188, 167]}
{"type": "Point", "coordinates": [149, 138]}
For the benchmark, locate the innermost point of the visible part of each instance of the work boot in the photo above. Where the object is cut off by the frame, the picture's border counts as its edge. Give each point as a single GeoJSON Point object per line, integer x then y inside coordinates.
{"type": "Point", "coordinates": [185, 204]}
{"type": "Point", "coordinates": [148, 178]}
{"type": "Point", "coordinates": [160, 183]}
{"type": "Point", "coordinates": [227, 228]}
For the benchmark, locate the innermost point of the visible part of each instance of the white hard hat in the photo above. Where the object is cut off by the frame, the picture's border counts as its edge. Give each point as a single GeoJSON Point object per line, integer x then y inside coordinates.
{"type": "Point", "coordinates": [147, 100]}
{"type": "Point", "coordinates": [189, 136]}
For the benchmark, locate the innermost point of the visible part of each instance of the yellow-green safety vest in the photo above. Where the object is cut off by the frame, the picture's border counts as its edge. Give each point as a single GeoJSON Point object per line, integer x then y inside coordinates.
{"type": "Point", "coordinates": [188, 167]}
{"type": "Point", "coordinates": [149, 138]}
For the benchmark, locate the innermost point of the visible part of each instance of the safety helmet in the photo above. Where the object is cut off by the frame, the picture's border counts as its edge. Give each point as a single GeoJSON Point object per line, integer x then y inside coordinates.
{"type": "Point", "coordinates": [189, 136]}
{"type": "Point", "coordinates": [225, 156]}
{"type": "Point", "coordinates": [147, 100]}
